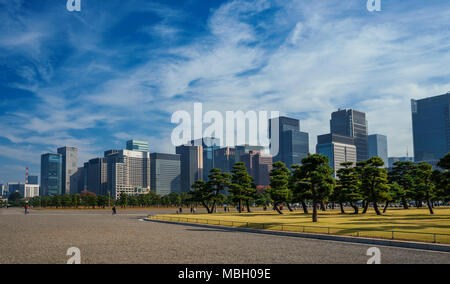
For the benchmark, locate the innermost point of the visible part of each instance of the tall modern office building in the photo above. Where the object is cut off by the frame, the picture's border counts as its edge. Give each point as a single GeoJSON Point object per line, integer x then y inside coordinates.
{"type": "Point", "coordinates": [209, 146]}
{"type": "Point", "coordinates": [293, 144]}
{"type": "Point", "coordinates": [259, 167]}
{"type": "Point", "coordinates": [51, 174]}
{"type": "Point", "coordinates": [77, 181]}
{"type": "Point", "coordinates": [337, 148]}
{"type": "Point", "coordinates": [353, 124]}
{"type": "Point", "coordinates": [25, 190]}
{"type": "Point", "coordinates": [191, 159]}
{"type": "Point", "coordinates": [2, 190]}
{"type": "Point", "coordinates": [135, 145]}
{"type": "Point", "coordinates": [128, 172]}
{"type": "Point", "coordinates": [378, 147]}
{"type": "Point", "coordinates": [431, 128]}
{"type": "Point", "coordinates": [69, 166]}
{"type": "Point", "coordinates": [95, 172]}
{"type": "Point", "coordinates": [225, 158]}
{"type": "Point", "coordinates": [165, 173]}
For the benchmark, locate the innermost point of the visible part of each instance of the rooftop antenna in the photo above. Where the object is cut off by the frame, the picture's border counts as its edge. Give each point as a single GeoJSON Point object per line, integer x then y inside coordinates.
{"type": "Point", "coordinates": [26, 176]}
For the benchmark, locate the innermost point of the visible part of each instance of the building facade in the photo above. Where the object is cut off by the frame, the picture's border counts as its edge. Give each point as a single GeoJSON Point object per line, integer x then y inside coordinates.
{"type": "Point", "coordinates": [259, 167]}
{"type": "Point", "coordinates": [139, 146]}
{"type": "Point", "coordinates": [431, 128]}
{"type": "Point", "coordinates": [209, 146]}
{"type": "Point", "coordinates": [128, 172]}
{"type": "Point", "coordinates": [353, 124]}
{"type": "Point", "coordinates": [165, 173]}
{"type": "Point", "coordinates": [293, 145]}
{"type": "Point", "coordinates": [69, 166]}
{"type": "Point", "coordinates": [33, 180]}
{"type": "Point", "coordinates": [338, 149]}
{"type": "Point", "coordinates": [378, 147]}
{"type": "Point", "coordinates": [51, 174]}
{"type": "Point", "coordinates": [96, 179]}
{"type": "Point", "coordinates": [191, 161]}
{"type": "Point", "coordinates": [225, 158]}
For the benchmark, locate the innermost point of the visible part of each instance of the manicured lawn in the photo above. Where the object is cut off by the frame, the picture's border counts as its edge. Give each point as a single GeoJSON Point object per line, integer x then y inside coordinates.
{"type": "Point", "coordinates": [407, 224]}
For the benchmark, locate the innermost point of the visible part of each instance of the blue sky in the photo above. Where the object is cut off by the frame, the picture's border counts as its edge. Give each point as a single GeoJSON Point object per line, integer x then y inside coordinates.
{"type": "Point", "coordinates": [119, 69]}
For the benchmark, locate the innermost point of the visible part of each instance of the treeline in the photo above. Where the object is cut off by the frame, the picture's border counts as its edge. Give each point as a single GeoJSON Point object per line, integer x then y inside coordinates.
{"type": "Point", "coordinates": [367, 183]}
{"type": "Point", "coordinates": [91, 200]}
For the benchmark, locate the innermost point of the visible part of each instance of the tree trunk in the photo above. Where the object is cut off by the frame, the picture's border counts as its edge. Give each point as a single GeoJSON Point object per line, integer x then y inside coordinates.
{"type": "Point", "coordinates": [386, 207]}
{"type": "Point", "coordinates": [305, 208]}
{"type": "Point", "coordinates": [314, 217]}
{"type": "Point", "coordinates": [322, 206]}
{"type": "Point", "coordinates": [289, 207]}
{"type": "Point", "coordinates": [207, 208]}
{"type": "Point", "coordinates": [355, 207]}
{"type": "Point", "coordinates": [278, 210]}
{"type": "Point", "coordinates": [240, 206]}
{"type": "Point", "coordinates": [430, 206]}
{"type": "Point", "coordinates": [342, 208]}
{"type": "Point", "coordinates": [366, 207]}
{"type": "Point", "coordinates": [375, 206]}
{"type": "Point", "coordinates": [405, 203]}
{"type": "Point", "coordinates": [248, 206]}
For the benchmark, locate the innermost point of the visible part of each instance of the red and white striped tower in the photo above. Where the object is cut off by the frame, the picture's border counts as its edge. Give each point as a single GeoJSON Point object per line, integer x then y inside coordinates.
{"type": "Point", "coordinates": [26, 176]}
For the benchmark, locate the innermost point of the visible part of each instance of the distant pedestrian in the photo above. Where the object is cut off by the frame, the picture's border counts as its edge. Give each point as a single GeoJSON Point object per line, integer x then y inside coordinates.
{"type": "Point", "coordinates": [26, 208]}
{"type": "Point", "coordinates": [181, 210]}
{"type": "Point", "coordinates": [114, 210]}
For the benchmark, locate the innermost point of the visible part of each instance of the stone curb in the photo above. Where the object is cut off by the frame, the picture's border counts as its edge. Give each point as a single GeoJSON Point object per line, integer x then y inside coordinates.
{"type": "Point", "coordinates": [367, 241]}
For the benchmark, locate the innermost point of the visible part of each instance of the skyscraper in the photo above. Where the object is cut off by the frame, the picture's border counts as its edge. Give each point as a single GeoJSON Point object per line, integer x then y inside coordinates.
{"type": "Point", "coordinates": [293, 144]}
{"type": "Point", "coordinates": [128, 172]}
{"type": "Point", "coordinates": [337, 148]}
{"type": "Point", "coordinates": [225, 158]}
{"type": "Point", "coordinates": [191, 165]}
{"type": "Point", "coordinates": [245, 149]}
{"type": "Point", "coordinates": [69, 166]}
{"type": "Point", "coordinates": [51, 174]}
{"type": "Point", "coordinates": [165, 173]}
{"type": "Point", "coordinates": [209, 146]}
{"type": "Point", "coordinates": [353, 124]}
{"type": "Point", "coordinates": [96, 176]}
{"type": "Point", "coordinates": [258, 166]}
{"type": "Point", "coordinates": [431, 128]}
{"type": "Point", "coordinates": [135, 145]}
{"type": "Point", "coordinates": [378, 147]}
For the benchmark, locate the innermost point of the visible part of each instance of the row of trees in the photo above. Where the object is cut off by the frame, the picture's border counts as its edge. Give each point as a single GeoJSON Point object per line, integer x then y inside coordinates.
{"type": "Point", "coordinates": [90, 199]}
{"type": "Point", "coordinates": [313, 183]}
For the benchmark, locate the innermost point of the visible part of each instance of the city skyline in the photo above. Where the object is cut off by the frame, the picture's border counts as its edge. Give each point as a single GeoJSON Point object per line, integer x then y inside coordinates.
{"type": "Point", "coordinates": [123, 79]}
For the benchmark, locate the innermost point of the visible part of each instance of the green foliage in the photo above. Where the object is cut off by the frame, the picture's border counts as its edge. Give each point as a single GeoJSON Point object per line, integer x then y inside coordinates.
{"type": "Point", "coordinates": [424, 188]}
{"type": "Point", "coordinates": [374, 182]}
{"type": "Point", "coordinates": [403, 175]}
{"type": "Point", "coordinates": [241, 187]}
{"type": "Point", "coordinates": [314, 179]}
{"type": "Point", "coordinates": [279, 185]}
{"type": "Point", "coordinates": [347, 188]}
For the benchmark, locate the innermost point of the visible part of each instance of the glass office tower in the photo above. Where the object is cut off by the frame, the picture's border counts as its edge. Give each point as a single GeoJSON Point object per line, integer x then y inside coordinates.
{"type": "Point", "coordinates": [431, 128]}
{"type": "Point", "coordinates": [135, 145]}
{"type": "Point", "coordinates": [293, 144]}
{"type": "Point", "coordinates": [352, 123]}
{"type": "Point", "coordinates": [51, 175]}
{"type": "Point", "coordinates": [378, 147]}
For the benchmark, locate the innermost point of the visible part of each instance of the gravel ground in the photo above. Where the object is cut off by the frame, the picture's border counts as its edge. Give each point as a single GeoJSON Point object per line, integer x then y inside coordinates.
{"type": "Point", "coordinates": [45, 236]}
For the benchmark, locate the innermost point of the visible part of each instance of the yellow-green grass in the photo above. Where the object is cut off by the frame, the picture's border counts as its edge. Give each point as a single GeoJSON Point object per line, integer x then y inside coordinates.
{"type": "Point", "coordinates": [412, 224]}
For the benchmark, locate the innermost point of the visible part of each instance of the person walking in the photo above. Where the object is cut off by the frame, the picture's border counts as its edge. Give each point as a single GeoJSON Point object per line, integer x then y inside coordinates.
{"type": "Point", "coordinates": [26, 208]}
{"type": "Point", "coordinates": [114, 211]}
